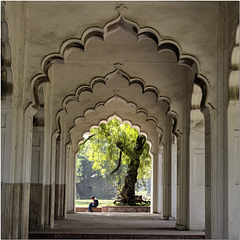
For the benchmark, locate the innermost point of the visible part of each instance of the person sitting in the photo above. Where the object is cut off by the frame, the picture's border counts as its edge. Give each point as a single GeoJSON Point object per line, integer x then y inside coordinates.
{"type": "Point", "coordinates": [93, 204]}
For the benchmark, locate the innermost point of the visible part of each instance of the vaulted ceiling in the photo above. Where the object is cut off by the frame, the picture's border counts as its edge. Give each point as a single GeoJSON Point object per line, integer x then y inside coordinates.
{"type": "Point", "coordinates": [115, 66]}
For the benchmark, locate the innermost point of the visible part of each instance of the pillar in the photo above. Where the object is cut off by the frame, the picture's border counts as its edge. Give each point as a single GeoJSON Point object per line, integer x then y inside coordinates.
{"type": "Point", "coordinates": [22, 155]}
{"type": "Point", "coordinates": [156, 182]}
{"type": "Point", "coordinates": [197, 172]}
{"type": "Point", "coordinates": [233, 145]}
{"type": "Point", "coordinates": [54, 156]}
{"type": "Point", "coordinates": [6, 171]}
{"type": "Point", "coordinates": [57, 209]}
{"type": "Point", "coordinates": [37, 191]}
{"type": "Point", "coordinates": [216, 197]}
{"type": "Point", "coordinates": [60, 186]}
{"type": "Point", "coordinates": [174, 179]}
{"type": "Point", "coordinates": [71, 182]}
{"type": "Point", "coordinates": [183, 180]}
{"type": "Point", "coordinates": [166, 171]}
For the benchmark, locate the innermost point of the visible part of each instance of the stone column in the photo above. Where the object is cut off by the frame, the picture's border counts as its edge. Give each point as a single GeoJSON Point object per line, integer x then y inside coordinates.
{"type": "Point", "coordinates": [60, 194]}
{"type": "Point", "coordinates": [57, 181]}
{"type": "Point", "coordinates": [67, 169]}
{"type": "Point", "coordinates": [54, 156]}
{"type": "Point", "coordinates": [6, 171]}
{"type": "Point", "coordinates": [166, 171]}
{"type": "Point", "coordinates": [37, 191]}
{"type": "Point", "coordinates": [197, 173]}
{"type": "Point", "coordinates": [174, 179]}
{"type": "Point", "coordinates": [22, 156]}
{"type": "Point", "coordinates": [156, 184]}
{"type": "Point", "coordinates": [216, 197]}
{"type": "Point", "coordinates": [183, 179]}
{"type": "Point", "coordinates": [71, 175]}
{"type": "Point", "coordinates": [233, 172]}
{"type": "Point", "coordinates": [233, 146]}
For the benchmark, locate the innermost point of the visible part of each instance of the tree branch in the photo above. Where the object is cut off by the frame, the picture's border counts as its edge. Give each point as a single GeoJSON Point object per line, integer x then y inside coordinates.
{"type": "Point", "coordinates": [86, 140]}
{"type": "Point", "coordinates": [125, 149]}
{"type": "Point", "coordinates": [119, 163]}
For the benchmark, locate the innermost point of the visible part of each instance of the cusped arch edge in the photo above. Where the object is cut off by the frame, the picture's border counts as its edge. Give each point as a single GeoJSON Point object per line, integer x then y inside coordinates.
{"type": "Point", "coordinates": [107, 119]}
{"type": "Point", "coordinates": [96, 32]}
{"type": "Point", "coordinates": [127, 103]}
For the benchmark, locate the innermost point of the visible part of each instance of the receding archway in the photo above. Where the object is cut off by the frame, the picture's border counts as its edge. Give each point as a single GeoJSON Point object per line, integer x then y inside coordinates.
{"type": "Point", "coordinates": [160, 46]}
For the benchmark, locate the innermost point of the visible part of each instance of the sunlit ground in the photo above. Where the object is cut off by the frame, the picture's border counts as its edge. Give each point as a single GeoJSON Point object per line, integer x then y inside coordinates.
{"type": "Point", "coordinates": [107, 202]}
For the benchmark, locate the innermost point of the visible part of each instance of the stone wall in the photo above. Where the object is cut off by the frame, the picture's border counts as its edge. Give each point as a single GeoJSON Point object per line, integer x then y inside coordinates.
{"type": "Point", "coordinates": [97, 186]}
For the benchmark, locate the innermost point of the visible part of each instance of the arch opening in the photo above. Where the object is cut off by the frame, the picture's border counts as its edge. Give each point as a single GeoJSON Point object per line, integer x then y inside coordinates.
{"type": "Point", "coordinates": [110, 150]}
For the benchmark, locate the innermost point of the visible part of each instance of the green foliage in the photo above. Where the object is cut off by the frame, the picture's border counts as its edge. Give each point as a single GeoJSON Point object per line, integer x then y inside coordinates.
{"type": "Point", "coordinates": [84, 169]}
{"type": "Point", "coordinates": [102, 150]}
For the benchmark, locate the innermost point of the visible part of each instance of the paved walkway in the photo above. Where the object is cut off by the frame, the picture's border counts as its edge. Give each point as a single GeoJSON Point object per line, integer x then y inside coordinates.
{"type": "Point", "coordinates": [114, 225]}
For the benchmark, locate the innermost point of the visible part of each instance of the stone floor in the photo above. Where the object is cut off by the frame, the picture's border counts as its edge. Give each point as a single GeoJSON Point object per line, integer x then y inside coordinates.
{"type": "Point", "coordinates": [112, 225]}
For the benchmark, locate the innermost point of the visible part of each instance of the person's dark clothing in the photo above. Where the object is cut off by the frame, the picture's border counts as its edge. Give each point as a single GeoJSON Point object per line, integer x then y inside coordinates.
{"type": "Point", "coordinates": [93, 205]}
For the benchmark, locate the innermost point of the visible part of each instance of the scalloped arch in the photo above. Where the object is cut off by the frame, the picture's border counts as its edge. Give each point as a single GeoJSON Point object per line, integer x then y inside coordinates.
{"type": "Point", "coordinates": [132, 125]}
{"type": "Point", "coordinates": [234, 74]}
{"type": "Point", "coordinates": [121, 99]}
{"type": "Point", "coordinates": [101, 33]}
{"type": "Point", "coordinates": [104, 80]}
{"type": "Point", "coordinates": [6, 57]}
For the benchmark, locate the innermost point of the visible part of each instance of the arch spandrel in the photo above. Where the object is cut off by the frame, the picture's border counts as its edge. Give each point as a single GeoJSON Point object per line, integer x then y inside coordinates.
{"type": "Point", "coordinates": [143, 53]}
{"type": "Point", "coordinates": [141, 96]}
{"type": "Point", "coordinates": [118, 105]}
{"type": "Point", "coordinates": [130, 27]}
{"type": "Point", "coordinates": [93, 119]}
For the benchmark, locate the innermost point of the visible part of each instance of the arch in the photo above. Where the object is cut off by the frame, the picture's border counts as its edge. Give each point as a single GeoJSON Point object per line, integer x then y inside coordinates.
{"type": "Point", "coordinates": [141, 115]}
{"type": "Point", "coordinates": [90, 88]}
{"type": "Point", "coordinates": [121, 99]}
{"type": "Point", "coordinates": [124, 121]}
{"type": "Point", "coordinates": [6, 56]}
{"type": "Point", "coordinates": [101, 33]}
{"type": "Point", "coordinates": [105, 79]}
{"type": "Point", "coordinates": [234, 74]}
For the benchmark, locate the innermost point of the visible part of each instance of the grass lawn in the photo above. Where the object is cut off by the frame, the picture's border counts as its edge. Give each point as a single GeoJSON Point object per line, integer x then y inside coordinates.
{"type": "Point", "coordinates": [104, 202]}
{"type": "Point", "coordinates": [85, 202]}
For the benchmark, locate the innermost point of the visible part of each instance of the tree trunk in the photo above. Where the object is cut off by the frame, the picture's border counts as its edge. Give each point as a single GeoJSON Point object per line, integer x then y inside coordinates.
{"type": "Point", "coordinates": [128, 190]}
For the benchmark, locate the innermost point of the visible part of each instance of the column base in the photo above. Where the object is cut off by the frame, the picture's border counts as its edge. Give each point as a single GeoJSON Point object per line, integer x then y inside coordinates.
{"type": "Point", "coordinates": [71, 212]}
{"type": "Point", "coordinates": [180, 227]}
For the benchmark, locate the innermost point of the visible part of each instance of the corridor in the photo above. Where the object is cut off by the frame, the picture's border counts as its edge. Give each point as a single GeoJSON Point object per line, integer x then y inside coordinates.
{"type": "Point", "coordinates": [112, 225]}
{"type": "Point", "coordinates": [168, 69]}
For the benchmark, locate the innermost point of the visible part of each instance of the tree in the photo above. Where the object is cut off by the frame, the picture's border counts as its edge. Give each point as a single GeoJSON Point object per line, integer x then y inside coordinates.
{"type": "Point", "coordinates": [116, 149]}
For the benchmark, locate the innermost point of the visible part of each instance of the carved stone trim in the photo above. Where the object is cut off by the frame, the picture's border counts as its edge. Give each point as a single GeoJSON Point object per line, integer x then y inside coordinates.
{"type": "Point", "coordinates": [234, 75]}
{"type": "Point", "coordinates": [104, 80]}
{"type": "Point", "coordinates": [6, 57]}
{"type": "Point", "coordinates": [131, 104]}
{"type": "Point", "coordinates": [130, 26]}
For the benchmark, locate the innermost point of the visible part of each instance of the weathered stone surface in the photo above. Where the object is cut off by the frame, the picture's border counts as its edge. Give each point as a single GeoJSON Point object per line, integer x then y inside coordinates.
{"type": "Point", "coordinates": [59, 201]}
{"type": "Point", "coordinates": [36, 209]}
{"type": "Point", "coordinates": [6, 210]}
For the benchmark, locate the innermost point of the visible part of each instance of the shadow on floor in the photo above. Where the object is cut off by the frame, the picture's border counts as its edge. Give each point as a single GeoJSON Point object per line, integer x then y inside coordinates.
{"type": "Point", "coordinates": [112, 225]}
